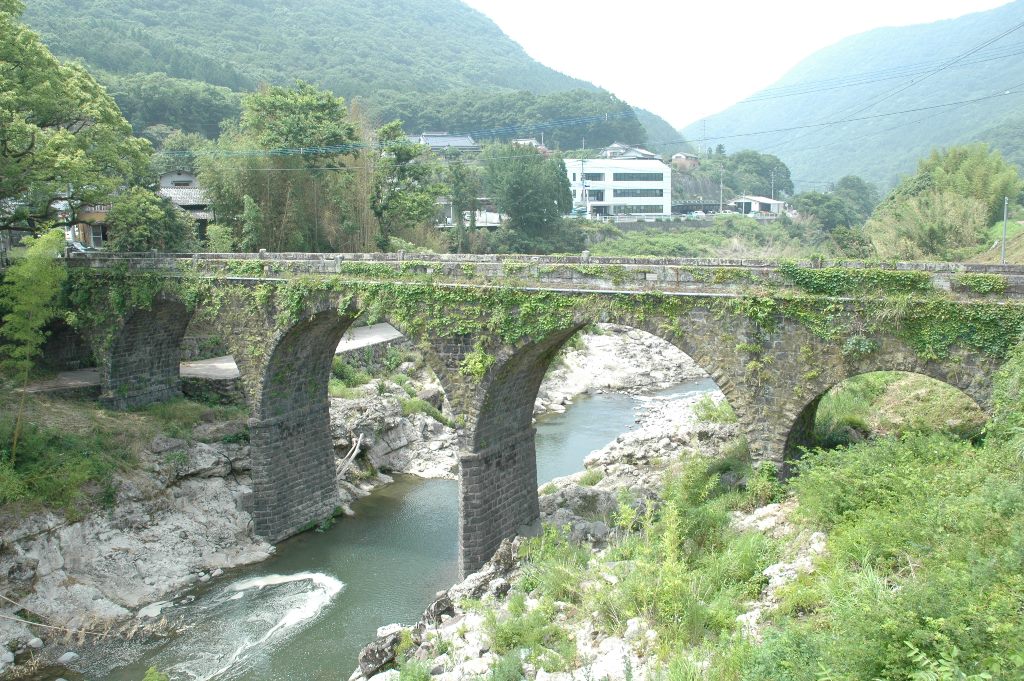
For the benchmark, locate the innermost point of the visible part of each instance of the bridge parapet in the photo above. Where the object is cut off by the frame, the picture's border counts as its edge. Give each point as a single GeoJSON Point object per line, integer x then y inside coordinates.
{"type": "Point", "coordinates": [679, 275]}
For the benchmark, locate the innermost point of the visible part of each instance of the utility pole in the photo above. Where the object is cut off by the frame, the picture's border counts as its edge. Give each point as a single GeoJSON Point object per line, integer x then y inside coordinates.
{"type": "Point", "coordinates": [721, 189]}
{"type": "Point", "coordinates": [773, 184]}
{"type": "Point", "coordinates": [1006, 209]}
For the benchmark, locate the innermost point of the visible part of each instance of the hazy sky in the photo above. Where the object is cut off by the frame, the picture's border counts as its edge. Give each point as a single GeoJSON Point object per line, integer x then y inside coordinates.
{"type": "Point", "coordinates": [734, 47]}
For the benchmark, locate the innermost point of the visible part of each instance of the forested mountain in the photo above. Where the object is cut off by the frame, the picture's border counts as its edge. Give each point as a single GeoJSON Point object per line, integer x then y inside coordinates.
{"type": "Point", "coordinates": [918, 69]}
{"type": "Point", "coordinates": [387, 52]}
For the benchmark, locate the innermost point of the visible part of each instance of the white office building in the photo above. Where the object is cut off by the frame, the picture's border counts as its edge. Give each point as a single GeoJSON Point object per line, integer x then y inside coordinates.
{"type": "Point", "coordinates": [639, 187]}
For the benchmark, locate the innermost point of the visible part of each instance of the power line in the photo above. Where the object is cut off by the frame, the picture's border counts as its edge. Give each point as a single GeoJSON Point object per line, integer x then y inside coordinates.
{"type": "Point", "coordinates": [866, 78]}
{"type": "Point", "coordinates": [943, 66]}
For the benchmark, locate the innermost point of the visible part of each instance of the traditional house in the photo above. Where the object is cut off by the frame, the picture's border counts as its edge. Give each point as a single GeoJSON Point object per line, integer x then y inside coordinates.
{"type": "Point", "coordinates": [182, 189]}
{"type": "Point", "coordinates": [440, 141]}
{"type": "Point", "coordinates": [684, 162]}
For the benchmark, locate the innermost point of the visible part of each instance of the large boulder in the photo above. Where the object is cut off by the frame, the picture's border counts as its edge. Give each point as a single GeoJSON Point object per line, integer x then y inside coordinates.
{"type": "Point", "coordinates": [379, 654]}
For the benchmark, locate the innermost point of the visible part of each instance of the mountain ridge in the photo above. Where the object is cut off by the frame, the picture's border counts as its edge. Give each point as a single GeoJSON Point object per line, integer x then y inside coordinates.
{"type": "Point", "coordinates": [870, 75]}
{"type": "Point", "coordinates": [355, 48]}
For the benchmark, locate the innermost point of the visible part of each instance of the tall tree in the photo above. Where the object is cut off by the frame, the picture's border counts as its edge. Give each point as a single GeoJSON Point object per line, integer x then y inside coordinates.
{"type": "Point", "coordinates": [861, 195]}
{"type": "Point", "coordinates": [465, 183]}
{"type": "Point", "coordinates": [62, 138]}
{"type": "Point", "coordinates": [140, 220]}
{"type": "Point", "coordinates": [405, 184]}
{"type": "Point", "coordinates": [533, 190]}
{"type": "Point", "coordinates": [759, 174]}
{"type": "Point", "coordinates": [279, 176]}
{"type": "Point", "coordinates": [831, 211]}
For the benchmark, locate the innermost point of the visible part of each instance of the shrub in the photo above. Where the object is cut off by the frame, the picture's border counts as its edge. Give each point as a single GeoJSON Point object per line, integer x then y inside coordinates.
{"type": "Point", "coordinates": [415, 405]}
{"type": "Point", "coordinates": [414, 670]}
{"type": "Point", "coordinates": [349, 376]}
{"type": "Point", "coordinates": [535, 633]}
{"type": "Point", "coordinates": [591, 477]}
{"type": "Point", "coordinates": [552, 565]}
{"type": "Point", "coordinates": [707, 409]}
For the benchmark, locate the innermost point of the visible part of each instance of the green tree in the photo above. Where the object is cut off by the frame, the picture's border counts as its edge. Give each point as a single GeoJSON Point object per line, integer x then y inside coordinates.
{"type": "Point", "coordinates": [405, 184]}
{"type": "Point", "coordinates": [140, 220]}
{"type": "Point", "coordinates": [152, 674]}
{"type": "Point", "coordinates": [61, 136]}
{"type": "Point", "coordinates": [533, 190]}
{"type": "Point", "coordinates": [831, 211]}
{"type": "Point", "coordinates": [30, 292]}
{"type": "Point", "coordinates": [972, 171]}
{"type": "Point", "coordinates": [759, 174]}
{"type": "Point", "coordinates": [148, 99]}
{"type": "Point", "coordinates": [178, 151]}
{"type": "Point", "coordinates": [278, 176]}
{"type": "Point", "coordinates": [930, 225]}
{"type": "Point", "coordinates": [465, 184]}
{"type": "Point", "coordinates": [861, 195]}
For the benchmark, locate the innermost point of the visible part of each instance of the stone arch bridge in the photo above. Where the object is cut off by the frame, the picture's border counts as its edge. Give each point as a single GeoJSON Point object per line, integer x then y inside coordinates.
{"type": "Point", "coordinates": [774, 336]}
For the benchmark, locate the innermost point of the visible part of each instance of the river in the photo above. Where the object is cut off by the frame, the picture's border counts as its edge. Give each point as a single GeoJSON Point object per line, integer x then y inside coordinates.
{"type": "Point", "coordinates": [306, 612]}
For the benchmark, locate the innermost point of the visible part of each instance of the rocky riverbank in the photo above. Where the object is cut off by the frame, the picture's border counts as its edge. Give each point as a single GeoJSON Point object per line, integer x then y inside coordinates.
{"type": "Point", "coordinates": [452, 639]}
{"type": "Point", "coordinates": [613, 358]}
{"type": "Point", "coordinates": [182, 517]}
{"type": "Point", "coordinates": [460, 634]}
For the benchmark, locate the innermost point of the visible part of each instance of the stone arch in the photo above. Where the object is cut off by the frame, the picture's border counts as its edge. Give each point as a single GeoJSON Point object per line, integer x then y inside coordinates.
{"type": "Point", "coordinates": [801, 432]}
{"type": "Point", "coordinates": [498, 480]}
{"type": "Point", "coordinates": [65, 349]}
{"type": "Point", "coordinates": [142, 364]}
{"type": "Point", "coordinates": [702, 351]}
{"type": "Point", "coordinates": [290, 435]}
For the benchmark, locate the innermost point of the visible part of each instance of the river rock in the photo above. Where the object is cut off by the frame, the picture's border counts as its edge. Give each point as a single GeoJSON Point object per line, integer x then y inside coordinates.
{"type": "Point", "coordinates": [433, 396]}
{"type": "Point", "coordinates": [205, 461]}
{"type": "Point", "coordinates": [68, 657]}
{"type": "Point", "coordinates": [378, 654]}
{"type": "Point", "coordinates": [618, 358]}
{"type": "Point", "coordinates": [441, 606]}
{"type": "Point", "coordinates": [35, 642]}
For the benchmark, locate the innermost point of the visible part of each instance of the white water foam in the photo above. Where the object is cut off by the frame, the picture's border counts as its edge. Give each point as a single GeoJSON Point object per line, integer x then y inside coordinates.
{"type": "Point", "coordinates": [325, 588]}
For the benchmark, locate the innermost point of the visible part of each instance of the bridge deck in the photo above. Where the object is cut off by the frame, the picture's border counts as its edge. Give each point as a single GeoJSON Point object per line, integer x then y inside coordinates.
{"type": "Point", "coordinates": [699, 276]}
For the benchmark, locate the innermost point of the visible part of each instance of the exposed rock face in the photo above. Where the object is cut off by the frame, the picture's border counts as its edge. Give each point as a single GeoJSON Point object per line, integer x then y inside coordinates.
{"type": "Point", "coordinates": [179, 518]}
{"type": "Point", "coordinates": [415, 444]}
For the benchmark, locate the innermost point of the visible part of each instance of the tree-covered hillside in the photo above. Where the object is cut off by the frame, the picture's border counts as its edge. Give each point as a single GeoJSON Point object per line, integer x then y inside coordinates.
{"type": "Point", "coordinates": [352, 47]}
{"type": "Point", "coordinates": [598, 117]}
{"type": "Point", "coordinates": [387, 52]}
{"type": "Point", "coordinates": [879, 72]}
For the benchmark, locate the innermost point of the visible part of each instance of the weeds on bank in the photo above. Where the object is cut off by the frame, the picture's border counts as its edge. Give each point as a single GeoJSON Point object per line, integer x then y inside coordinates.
{"type": "Point", "coordinates": [707, 409]}
{"type": "Point", "coordinates": [71, 451]}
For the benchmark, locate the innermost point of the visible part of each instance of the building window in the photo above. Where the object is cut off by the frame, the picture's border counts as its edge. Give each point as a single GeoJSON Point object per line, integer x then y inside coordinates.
{"type": "Point", "coordinates": [574, 177]}
{"type": "Point", "coordinates": [639, 177]}
{"type": "Point", "coordinates": [574, 193]}
{"type": "Point", "coordinates": [595, 194]}
{"type": "Point", "coordinates": [594, 177]}
{"type": "Point", "coordinates": [634, 209]}
{"type": "Point", "coordinates": [638, 193]}
{"type": "Point", "coordinates": [96, 236]}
